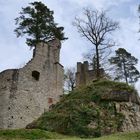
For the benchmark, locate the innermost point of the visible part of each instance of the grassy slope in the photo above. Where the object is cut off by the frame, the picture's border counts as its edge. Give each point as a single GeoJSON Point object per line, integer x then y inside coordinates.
{"type": "Point", "coordinates": [37, 134]}
{"type": "Point", "coordinates": [32, 134]}
{"type": "Point", "coordinates": [76, 110]}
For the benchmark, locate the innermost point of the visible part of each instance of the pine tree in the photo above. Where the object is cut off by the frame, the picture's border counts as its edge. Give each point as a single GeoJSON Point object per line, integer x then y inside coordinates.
{"type": "Point", "coordinates": [37, 22]}
{"type": "Point", "coordinates": [125, 66]}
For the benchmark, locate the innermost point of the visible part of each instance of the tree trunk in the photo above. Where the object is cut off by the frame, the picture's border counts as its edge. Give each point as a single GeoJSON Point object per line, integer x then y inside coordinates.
{"type": "Point", "coordinates": [125, 73]}
{"type": "Point", "coordinates": [98, 63]}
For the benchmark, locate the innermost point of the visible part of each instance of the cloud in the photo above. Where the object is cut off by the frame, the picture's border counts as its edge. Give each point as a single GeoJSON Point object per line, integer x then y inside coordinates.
{"type": "Point", "coordinates": [15, 52]}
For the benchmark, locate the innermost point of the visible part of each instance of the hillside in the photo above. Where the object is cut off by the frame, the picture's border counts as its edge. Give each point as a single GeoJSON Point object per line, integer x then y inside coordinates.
{"type": "Point", "coordinates": [99, 109]}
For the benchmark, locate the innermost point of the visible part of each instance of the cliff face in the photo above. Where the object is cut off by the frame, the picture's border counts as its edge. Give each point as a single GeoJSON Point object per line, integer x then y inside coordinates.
{"type": "Point", "coordinates": [94, 110]}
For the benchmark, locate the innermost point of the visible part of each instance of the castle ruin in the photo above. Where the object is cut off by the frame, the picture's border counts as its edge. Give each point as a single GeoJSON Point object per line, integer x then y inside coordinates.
{"type": "Point", "coordinates": [27, 92]}
{"type": "Point", "coordinates": [84, 75]}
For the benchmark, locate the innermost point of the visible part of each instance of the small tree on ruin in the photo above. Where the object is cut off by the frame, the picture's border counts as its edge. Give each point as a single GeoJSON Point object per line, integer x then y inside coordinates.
{"type": "Point", "coordinates": [37, 22]}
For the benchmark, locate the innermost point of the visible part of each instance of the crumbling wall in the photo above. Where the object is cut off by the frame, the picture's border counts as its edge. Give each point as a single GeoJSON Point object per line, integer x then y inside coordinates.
{"type": "Point", "coordinates": [121, 96]}
{"type": "Point", "coordinates": [8, 88]}
{"type": "Point", "coordinates": [26, 93]}
{"type": "Point", "coordinates": [84, 75]}
{"type": "Point", "coordinates": [131, 112]}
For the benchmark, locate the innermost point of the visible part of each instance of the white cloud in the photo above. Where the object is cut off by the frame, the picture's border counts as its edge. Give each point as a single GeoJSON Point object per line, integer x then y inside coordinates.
{"type": "Point", "coordinates": [14, 51]}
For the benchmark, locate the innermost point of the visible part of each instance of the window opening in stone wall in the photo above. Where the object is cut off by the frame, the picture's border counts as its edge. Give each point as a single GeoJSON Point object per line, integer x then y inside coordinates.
{"type": "Point", "coordinates": [35, 75]}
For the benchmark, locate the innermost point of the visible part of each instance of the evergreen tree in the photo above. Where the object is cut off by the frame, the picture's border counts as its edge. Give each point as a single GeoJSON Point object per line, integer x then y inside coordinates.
{"type": "Point", "coordinates": [37, 22]}
{"type": "Point", "coordinates": [125, 66]}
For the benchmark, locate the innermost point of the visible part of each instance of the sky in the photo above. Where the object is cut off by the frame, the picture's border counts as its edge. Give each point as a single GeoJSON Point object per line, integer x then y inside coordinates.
{"type": "Point", "coordinates": [14, 53]}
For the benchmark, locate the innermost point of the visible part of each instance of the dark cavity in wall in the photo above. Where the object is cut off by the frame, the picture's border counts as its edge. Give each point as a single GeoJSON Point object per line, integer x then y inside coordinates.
{"type": "Point", "coordinates": [36, 75]}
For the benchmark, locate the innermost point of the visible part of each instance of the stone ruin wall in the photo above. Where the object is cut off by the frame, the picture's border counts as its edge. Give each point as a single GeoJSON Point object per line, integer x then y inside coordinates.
{"type": "Point", "coordinates": [84, 75]}
{"type": "Point", "coordinates": [27, 92]}
{"type": "Point", "coordinates": [131, 112]}
{"type": "Point", "coordinates": [126, 103]}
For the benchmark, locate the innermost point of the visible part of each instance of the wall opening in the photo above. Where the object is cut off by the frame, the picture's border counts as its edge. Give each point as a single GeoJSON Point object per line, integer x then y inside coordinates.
{"type": "Point", "coordinates": [35, 75]}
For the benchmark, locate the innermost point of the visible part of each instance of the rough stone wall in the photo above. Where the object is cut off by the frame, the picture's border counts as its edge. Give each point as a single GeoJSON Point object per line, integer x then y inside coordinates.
{"type": "Point", "coordinates": [26, 93]}
{"type": "Point", "coordinates": [84, 75]}
{"type": "Point", "coordinates": [131, 112]}
{"type": "Point", "coordinates": [121, 96]}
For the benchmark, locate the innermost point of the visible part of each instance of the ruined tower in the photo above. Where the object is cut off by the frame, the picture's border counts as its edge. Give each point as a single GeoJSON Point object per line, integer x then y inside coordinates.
{"type": "Point", "coordinates": [84, 75]}
{"type": "Point", "coordinates": [27, 92]}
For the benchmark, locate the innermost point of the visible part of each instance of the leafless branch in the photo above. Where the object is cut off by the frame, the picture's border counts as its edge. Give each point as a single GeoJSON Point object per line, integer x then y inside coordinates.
{"type": "Point", "coordinates": [96, 27]}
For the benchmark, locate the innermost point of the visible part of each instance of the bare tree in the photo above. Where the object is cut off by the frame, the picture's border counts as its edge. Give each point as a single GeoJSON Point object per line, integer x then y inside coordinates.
{"type": "Point", "coordinates": [70, 79]}
{"type": "Point", "coordinates": [96, 27]}
{"type": "Point", "coordinates": [90, 56]}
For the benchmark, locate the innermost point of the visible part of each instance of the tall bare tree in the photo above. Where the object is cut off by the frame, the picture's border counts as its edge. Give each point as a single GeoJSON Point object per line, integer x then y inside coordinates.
{"type": "Point", "coordinates": [96, 27]}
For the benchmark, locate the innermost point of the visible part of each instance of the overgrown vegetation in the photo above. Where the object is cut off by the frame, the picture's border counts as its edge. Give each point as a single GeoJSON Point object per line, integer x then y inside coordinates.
{"type": "Point", "coordinates": [83, 112]}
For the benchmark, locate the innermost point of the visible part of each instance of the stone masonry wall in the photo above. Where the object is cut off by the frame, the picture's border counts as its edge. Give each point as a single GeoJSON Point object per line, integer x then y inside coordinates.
{"type": "Point", "coordinates": [26, 93]}
{"type": "Point", "coordinates": [131, 112]}
{"type": "Point", "coordinates": [84, 75]}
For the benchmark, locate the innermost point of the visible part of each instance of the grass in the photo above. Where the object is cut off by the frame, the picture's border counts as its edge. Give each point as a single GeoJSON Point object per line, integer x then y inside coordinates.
{"type": "Point", "coordinates": [24, 134]}
{"type": "Point", "coordinates": [32, 134]}
{"type": "Point", "coordinates": [126, 136]}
